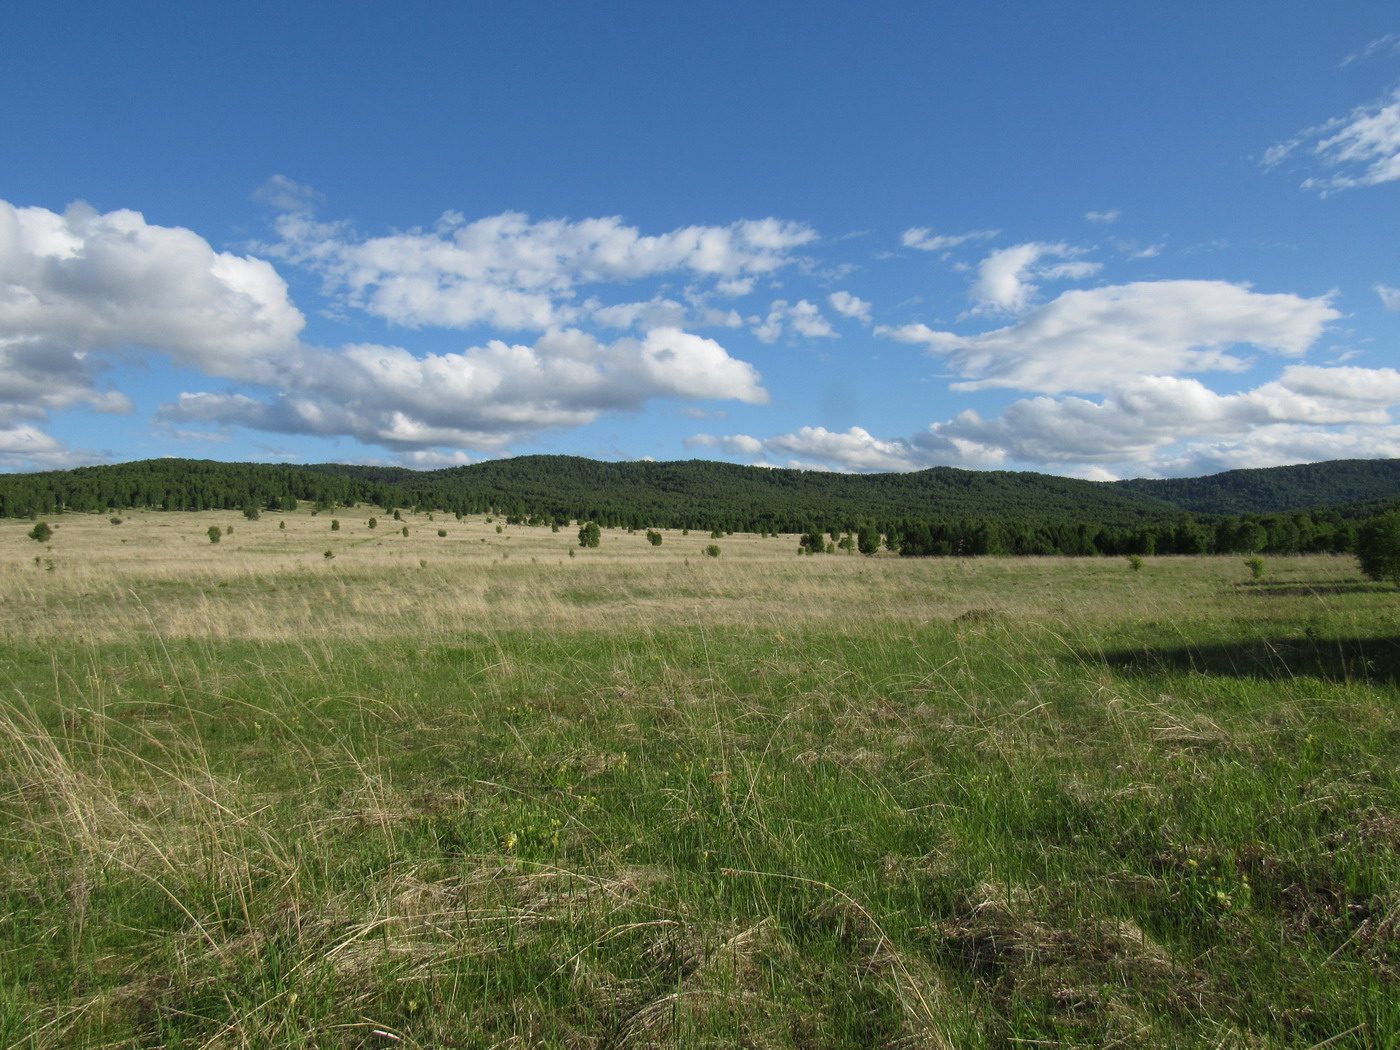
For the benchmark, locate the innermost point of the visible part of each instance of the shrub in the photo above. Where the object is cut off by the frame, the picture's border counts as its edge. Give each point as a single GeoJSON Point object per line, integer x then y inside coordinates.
{"type": "Point", "coordinates": [282, 525]}
{"type": "Point", "coordinates": [442, 532]}
{"type": "Point", "coordinates": [328, 554]}
{"type": "Point", "coordinates": [405, 528]}
{"type": "Point", "coordinates": [716, 534]}
{"type": "Point", "coordinates": [41, 532]}
{"type": "Point", "coordinates": [374, 523]}
{"type": "Point", "coordinates": [1378, 547]}
{"type": "Point", "coordinates": [115, 521]}
{"type": "Point", "coordinates": [251, 513]}
{"type": "Point", "coordinates": [215, 533]}
{"type": "Point", "coordinates": [654, 538]}
{"type": "Point", "coordinates": [335, 524]}
{"type": "Point", "coordinates": [397, 516]}
{"type": "Point", "coordinates": [589, 535]}
{"type": "Point", "coordinates": [499, 530]}
{"type": "Point", "coordinates": [1135, 562]}
{"type": "Point", "coordinates": [712, 550]}
{"type": "Point", "coordinates": [1256, 568]}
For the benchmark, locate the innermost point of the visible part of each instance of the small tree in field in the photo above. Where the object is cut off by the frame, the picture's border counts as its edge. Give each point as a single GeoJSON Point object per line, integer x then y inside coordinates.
{"type": "Point", "coordinates": [868, 539]}
{"type": "Point", "coordinates": [41, 532]}
{"type": "Point", "coordinates": [654, 537]}
{"type": "Point", "coordinates": [215, 534]}
{"type": "Point", "coordinates": [1378, 547]}
{"type": "Point", "coordinates": [712, 550]}
{"type": "Point", "coordinates": [589, 535]}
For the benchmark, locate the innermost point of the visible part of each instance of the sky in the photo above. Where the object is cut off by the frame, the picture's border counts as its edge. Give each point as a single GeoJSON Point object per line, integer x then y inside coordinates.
{"type": "Point", "coordinates": [1081, 238]}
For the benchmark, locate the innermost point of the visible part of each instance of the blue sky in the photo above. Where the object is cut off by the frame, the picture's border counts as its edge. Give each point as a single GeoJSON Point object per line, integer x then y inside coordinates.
{"type": "Point", "coordinates": [1099, 240]}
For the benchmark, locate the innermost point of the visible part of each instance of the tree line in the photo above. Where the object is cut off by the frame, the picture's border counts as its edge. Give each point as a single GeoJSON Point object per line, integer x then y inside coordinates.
{"type": "Point", "coordinates": [938, 512]}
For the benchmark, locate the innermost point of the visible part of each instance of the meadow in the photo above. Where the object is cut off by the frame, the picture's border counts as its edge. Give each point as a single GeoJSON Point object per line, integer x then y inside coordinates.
{"type": "Point", "coordinates": [307, 787]}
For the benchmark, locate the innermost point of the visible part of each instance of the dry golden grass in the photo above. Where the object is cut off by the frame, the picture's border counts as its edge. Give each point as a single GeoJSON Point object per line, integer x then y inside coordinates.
{"type": "Point", "coordinates": [158, 574]}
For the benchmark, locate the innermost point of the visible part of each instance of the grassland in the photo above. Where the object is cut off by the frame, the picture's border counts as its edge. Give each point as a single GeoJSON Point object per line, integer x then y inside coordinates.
{"type": "Point", "coordinates": [472, 791]}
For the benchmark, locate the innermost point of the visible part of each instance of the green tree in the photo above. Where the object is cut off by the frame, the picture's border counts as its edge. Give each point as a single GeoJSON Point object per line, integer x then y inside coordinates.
{"type": "Point", "coordinates": [712, 550]}
{"type": "Point", "coordinates": [335, 524]}
{"type": "Point", "coordinates": [251, 512]}
{"type": "Point", "coordinates": [589, 535]}
{"type": "Point", "coordinates": [868, 539]}
{"type": "Point", "coordinates": [1378, 547]}
{"type": "Point", "coordinates": [41, 532]}
{"type": "Point", "coordinates": [654, 537]}
{"type": "Point", "coordinates": [215, 534]}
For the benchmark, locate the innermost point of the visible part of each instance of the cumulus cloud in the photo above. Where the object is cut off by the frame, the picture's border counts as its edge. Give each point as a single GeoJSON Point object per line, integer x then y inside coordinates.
{"type": "Point", "coordinates": [80, 288]}
{"type": "Point", "coordinates": [1361, 149]}
{"type": "Point", "coordinates": [514, 274]}
{"type": "Point", "coordinates": [1004, 278]}
{"type": "Point", "coordinates": [925, 240]}
{"type": "Point", "coordinates": [802, 316]}
{"type": "Point", "coordinates": [483, 398]}
{"type": "Point", "coordinates": [1149, 426]}
{"type": "Point", "coordinates": [734, 444]}
{"type": "Point", "coordinates": [847, 305]}
{"type": "Point", "coordinates": [1093, 339]}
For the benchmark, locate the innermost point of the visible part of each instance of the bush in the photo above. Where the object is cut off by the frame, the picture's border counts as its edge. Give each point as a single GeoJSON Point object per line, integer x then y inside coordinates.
{"type": "Point", "coordinates": [115, 521]}
{"type": "Point", "coordinates": [654, 538]}
{"type": "Point", "coordinates": [712, 550]}
{"type": "Point", "coordinates": [442, 532]}
{"type": "Point", "coordinates": [215, 534]}
{"type": "Point", "coordinates": [1135, 562]}
{"type": "Point", "coordinates": [1256, 567]}
{"type": "Point", "coordinates": [374, 523]}
{"type": "Point", "coordinates": [1378, 547]}
{"type": "Point", "coordinates": [335, 524]}
{"type": "Point", "coordinates": [251, 513]}
{"type": "Point", "coordinates": [590, 535]}
{"type": "Point", "coordinates": [41, 532]}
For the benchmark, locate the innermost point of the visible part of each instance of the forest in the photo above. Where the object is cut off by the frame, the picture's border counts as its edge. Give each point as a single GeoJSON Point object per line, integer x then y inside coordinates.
{"type": "Point", "coordinates": [941, 511]}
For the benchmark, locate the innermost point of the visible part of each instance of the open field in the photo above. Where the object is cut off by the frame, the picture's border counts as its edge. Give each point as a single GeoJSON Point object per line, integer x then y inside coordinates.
{"type": "Point", "coordinates": [470, 790]}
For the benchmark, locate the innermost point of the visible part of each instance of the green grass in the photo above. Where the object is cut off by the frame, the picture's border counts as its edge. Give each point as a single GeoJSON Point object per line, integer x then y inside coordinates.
{"type": "Point", "coordinates": [814, 802]}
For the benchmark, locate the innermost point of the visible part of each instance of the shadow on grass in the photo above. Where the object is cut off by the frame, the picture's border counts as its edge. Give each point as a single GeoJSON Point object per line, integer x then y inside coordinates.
{"type": "Point", "coordinates": [1331, 659]}
{"type": "Point", "coordinates": [1267, 589]}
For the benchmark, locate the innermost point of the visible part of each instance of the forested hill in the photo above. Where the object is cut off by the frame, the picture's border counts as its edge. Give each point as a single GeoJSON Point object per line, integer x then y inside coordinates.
{"type": "Point", "coordinates": [696, 493]}
{"type": "Point", "coordinates": [693, 493]}
{"type": "Point", "coordinates": [1362, 483]}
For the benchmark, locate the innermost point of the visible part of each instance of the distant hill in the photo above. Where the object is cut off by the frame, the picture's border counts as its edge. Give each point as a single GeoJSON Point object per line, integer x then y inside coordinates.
{"type": "Point", "coordinates": [703, 494]}
{"type": "Point", "coordinates": [1362, 483]}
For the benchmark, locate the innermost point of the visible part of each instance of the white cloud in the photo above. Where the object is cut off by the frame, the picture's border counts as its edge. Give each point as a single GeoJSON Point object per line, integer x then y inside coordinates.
{"type": "Point", "coordinates": [1390, 297]}
{"type": "Point", "coordinates": [1096, 339]}
{"type": "Point", "coordinates": [855, 449]}
{"type": "Point", "coordinates": [925, 240]}
{"type": "Point", "coordinates": [1363, 148]}
{"type": "Point", "coordinates": [804, 318]}
{"type": "Point", "coordinates": [483, 398]}
{"type": "Point", "coordinates": [1151, 426]}
{"type": "Point", "coordinates": [283, 194]}
{"type": "Point", "coordinates": [1103, 217]}
{"type": "Point", "coordinates": [80, 288]}
{"type": "Point", "coordinates": [1003, 284]}
{"type": "Point", "coordinates": [734, 444]}
{"type": "Point", "coordinates": [514, 274]}
{"type": "Point", "coordinates": [847, 305]}
{"type": "Point", "coordinates": [1388, 43]}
